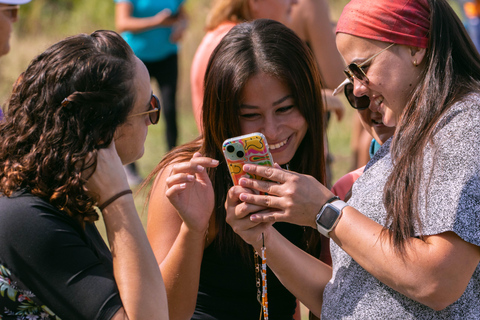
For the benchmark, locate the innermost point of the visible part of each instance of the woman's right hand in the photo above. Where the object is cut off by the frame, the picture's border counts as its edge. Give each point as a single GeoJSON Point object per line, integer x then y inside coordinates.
{"type": "Point", "coordinates": [191, 193]}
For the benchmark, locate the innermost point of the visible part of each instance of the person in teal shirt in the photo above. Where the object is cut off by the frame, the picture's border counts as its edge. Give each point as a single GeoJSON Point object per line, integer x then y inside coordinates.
{"type": "Point", "coordinates": [152, 28]}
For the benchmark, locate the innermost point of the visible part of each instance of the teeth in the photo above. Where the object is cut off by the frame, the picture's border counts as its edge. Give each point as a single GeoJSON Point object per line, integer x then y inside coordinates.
{"type": "Point", "coordinates": [377, 121]}
{"type": "Point", "coordinates": [378, 101]}
{"type": "Point", "coordinates": [278, 145]}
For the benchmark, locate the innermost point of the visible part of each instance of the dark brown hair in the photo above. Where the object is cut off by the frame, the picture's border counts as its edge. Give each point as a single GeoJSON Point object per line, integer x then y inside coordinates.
{"type": "Point", "coordinates": [452, 70]}
{"type": "Point", "coordinates": [68, 103]}
{"type": "Point", "coordinates": [249, 48]}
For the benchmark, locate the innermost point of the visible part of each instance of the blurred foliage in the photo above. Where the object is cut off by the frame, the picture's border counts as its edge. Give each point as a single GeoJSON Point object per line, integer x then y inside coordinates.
{"type": "Point", "coordinates": [62, 17]}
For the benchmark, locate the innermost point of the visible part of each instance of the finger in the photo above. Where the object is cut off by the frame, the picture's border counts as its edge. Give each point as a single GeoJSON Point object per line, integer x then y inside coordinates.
{"type": "Point", "coordinates": [268, 217]}
{"type": "Point", "coordinates": [274, 174]}
{"type": "Point", "coordinates": [261, 185]}
{"type": "Point", "coordinates": [261, 200]}
{"type": "Point", "coordinates": [180, 178]}
{"type": "Point", "coordinates": [175, 190]}
{"type": "Point", "coordinates": [204, 161]}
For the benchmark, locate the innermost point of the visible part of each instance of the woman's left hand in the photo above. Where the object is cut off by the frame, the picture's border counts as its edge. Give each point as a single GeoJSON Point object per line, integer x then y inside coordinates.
{"type": "Point", "coordinates": [109, 177]}
{"type": "Point", "coordinates": [238, 216]}
{"type": "Point", "coordinates": [291, 197]}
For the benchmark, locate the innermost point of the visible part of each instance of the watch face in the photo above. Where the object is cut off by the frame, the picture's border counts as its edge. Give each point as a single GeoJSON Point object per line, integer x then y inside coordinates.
{"type": "Point", "coordinates": [328, 217]}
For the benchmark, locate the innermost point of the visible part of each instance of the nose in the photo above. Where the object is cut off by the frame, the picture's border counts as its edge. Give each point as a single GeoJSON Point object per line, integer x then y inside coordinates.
{"type": "Point", "coordinates": [271, 128]}
{"type": "Point", "coordinates": [360, 88]}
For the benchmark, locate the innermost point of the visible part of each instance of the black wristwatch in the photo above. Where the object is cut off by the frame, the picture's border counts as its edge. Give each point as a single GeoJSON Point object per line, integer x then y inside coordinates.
{"type": "Point", "coordinates": [328, 216]}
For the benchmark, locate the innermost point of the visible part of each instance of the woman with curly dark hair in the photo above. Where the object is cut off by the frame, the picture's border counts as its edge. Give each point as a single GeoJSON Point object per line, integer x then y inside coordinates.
{"type": "Point", "coordinates": [77, 114]}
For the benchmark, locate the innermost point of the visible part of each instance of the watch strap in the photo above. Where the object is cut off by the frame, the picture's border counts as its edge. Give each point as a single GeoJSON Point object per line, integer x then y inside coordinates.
{"type": "Point", "coordinates": [338, 206]}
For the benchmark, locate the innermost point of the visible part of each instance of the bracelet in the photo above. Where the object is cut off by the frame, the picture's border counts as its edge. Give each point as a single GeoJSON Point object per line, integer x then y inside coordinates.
{"type": "Point", "coordinates": [115, 197]}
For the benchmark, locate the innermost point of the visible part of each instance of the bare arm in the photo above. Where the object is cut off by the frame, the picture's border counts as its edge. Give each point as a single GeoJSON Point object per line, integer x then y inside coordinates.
{"type": "Point", "coordinates": [136, 272]}
{"type": "Point", "coordinates": [177, 235]}
{"type": "Point", "coordinates": [312, 22]}
{"type": "Point", "coordinates": [434, 272]}
{"type": "Point", "coordinates": [124, 21]}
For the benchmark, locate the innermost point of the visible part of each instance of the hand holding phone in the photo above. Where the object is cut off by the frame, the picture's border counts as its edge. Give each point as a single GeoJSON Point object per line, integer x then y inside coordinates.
{"type": "Point", "coordinates": [250, 148]}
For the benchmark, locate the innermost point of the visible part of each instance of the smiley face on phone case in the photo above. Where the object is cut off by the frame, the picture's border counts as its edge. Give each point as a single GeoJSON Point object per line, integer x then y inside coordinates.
{"type": "Point", "coordinates": [251, 148]}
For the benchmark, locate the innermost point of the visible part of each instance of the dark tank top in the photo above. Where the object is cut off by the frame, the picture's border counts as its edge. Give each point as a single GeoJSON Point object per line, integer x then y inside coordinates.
{"type": "Point", "coordinates": [228, 291]}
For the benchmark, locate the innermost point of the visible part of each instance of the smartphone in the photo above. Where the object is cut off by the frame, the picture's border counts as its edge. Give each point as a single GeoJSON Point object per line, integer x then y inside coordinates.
{"type": "Point", "coordinates": [250, 148]}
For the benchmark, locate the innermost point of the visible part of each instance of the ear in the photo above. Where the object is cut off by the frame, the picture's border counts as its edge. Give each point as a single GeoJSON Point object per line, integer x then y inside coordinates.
{"type": "Point", "coordinates": [418, 54]}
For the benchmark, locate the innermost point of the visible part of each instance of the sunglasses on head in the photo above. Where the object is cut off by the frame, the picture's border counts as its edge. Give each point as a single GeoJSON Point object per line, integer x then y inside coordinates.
{"type": "Point", "coordinates": [154, 112]}
{"type": "Point", "coordinates": [11, 11]}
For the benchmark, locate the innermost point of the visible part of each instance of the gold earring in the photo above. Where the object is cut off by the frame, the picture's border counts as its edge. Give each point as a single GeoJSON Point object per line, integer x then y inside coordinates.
{"type": "Point", "coordinates": [415, 62]}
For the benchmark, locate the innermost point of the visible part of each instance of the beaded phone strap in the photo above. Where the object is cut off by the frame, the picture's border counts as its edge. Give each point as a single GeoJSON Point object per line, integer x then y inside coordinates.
{"type": "Point", "coordinates": [261, 277]}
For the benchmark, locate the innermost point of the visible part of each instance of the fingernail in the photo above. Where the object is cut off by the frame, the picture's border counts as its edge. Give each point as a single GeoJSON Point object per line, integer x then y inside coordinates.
{"type": "Point", "coordinates": [246, 167]}
{"type": "Point", "coordinates": [190, 177]}
{"type": "Point", "coordinates": [214, 161]}
{"type": "Point", "coordinates": [243, 197]}
{"type": "Point", "coordinates": [200, 168]}
{"type": "Point", "coordinates": [183, 185]}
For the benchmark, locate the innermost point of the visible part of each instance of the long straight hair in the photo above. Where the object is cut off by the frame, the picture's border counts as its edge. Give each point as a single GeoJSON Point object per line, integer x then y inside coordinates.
{"type": "Point", "coordinates": [249, 48]}
{"type": "Point", "coordinates": [452, 71]}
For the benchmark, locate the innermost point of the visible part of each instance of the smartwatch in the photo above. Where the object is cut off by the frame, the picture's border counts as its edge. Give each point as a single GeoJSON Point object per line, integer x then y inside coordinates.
{"type": "Point", "coordinates": [328, 216]}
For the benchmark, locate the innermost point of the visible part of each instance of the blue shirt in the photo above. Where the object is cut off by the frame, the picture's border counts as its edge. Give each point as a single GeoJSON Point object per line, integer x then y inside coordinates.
{"type": "Point", "coordinates": [154, 44]}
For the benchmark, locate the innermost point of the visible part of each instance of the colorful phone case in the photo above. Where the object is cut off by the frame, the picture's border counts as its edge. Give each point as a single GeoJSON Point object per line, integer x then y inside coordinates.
{"type": "Point", "coordinates": [249, 148]}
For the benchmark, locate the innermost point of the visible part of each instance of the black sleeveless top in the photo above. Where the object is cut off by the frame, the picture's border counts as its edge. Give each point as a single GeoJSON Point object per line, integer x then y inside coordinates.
{"type": "Point", "coordinates": [228, 289]}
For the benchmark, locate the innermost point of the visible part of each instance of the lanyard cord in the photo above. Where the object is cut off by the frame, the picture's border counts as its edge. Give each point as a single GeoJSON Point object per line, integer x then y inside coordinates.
{"type": "Point", "coordinates": [261, 273]}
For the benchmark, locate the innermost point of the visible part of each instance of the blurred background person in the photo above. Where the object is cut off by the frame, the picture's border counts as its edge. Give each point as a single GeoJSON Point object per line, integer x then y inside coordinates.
{"type": "Point", "coordinates": [152, 28]}
{"type": "Point", "coordinates": [223, 16]}
{"type": "Point", "coordinates": [312, 23]}
{"type": "Point", "coordinates": [8, 15]}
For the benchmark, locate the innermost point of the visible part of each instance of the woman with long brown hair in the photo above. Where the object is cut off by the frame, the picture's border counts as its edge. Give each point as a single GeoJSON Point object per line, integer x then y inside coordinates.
{"type": "Point", "coordinates": [261, 78]}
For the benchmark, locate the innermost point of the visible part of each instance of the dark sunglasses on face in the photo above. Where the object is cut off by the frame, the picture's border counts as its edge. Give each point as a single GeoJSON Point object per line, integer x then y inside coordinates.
{"type": "Point", "coordinates": [154, 112]}
{"type": "Point", "coordinates": [10, 11]}
{"type": "Point", "coordinates": [359, 103]}
{"type": "Point", "coordinates": [352, 71]}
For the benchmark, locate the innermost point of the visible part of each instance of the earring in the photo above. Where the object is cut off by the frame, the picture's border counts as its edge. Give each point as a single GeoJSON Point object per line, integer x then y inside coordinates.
{"type": "Point", "coordinates": [415, 62]}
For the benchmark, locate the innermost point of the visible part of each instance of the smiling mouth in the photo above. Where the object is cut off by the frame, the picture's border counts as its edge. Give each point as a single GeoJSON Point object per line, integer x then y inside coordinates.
{"type": "Point", "coordinates": [377, 121]}
{"type": "Point", "coordinates": [378, 101]}
{"type": "Point", "coordinates": [278, 145]}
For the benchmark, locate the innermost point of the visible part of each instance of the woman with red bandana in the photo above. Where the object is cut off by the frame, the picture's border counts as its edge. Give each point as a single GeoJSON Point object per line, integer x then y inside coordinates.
{"type": "Point", "coordinates": [407, 243]}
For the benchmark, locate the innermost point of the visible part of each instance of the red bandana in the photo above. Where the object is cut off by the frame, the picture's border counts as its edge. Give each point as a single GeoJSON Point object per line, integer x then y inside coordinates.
{"type": "Point", "coordinates": [399, 21]}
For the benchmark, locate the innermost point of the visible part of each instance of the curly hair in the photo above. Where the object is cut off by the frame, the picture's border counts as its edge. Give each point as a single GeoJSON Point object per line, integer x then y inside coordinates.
{"type": "Point", "coordinates": [65, 106]}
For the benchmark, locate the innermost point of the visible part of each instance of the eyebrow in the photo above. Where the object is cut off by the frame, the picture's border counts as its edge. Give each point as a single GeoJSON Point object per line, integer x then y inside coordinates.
{"type": "Point", "coordinates": [275, 103]}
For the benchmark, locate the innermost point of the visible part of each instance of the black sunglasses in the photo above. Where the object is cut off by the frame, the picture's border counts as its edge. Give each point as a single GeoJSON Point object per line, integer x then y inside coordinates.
{"type": "Point", "coordinates": [359, 103]}
{"type": "Point", "coordinates": [154, 113]}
